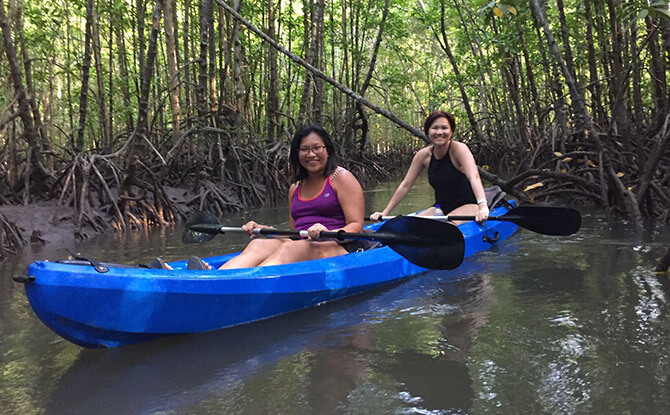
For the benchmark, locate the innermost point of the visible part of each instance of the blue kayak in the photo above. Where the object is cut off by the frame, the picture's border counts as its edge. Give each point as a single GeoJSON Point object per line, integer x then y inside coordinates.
{"type": "Point", "coordinates": [127, 305]}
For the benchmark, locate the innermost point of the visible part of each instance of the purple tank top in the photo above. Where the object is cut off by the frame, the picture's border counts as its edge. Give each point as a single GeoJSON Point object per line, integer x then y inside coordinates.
{"type": "Point", "coordinates": [324, 208]}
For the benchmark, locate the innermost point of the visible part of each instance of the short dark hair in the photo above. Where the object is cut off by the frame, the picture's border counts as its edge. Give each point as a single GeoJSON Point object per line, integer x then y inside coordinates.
{"type": "Point", "coordinates": [299, 172]}
{"type": "Point", "coordinates": [439, 114]}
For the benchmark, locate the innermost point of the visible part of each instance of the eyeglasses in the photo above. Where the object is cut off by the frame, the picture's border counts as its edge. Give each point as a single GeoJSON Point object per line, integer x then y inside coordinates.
{"type": "Point", "coordinates": [317, 149]}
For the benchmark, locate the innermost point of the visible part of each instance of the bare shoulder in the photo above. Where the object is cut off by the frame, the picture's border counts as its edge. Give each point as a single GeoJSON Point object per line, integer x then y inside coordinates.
{"type": "Point", "coordinates": [343, 179]}
{"type": "Point", "coordinates": [423, 156]}
{"type": "Point", "coordinates": [424, 152]}
{"type": "Point", "coordinates": [460, 147]}
{"type": "Point", "coordinates": [291, 189]}
{"type": "Point", "coordinates": [462, 156]}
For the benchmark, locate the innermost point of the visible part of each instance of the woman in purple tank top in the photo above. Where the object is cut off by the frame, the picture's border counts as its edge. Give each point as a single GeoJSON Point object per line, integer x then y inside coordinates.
{"type": "Point", "coordinates": [452, 172]}
{"type": "Point", "coordinates": [323, 197]}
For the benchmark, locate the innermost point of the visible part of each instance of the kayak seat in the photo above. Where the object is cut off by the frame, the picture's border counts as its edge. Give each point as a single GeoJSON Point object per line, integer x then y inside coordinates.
{"type": "Point", "coordinates": [495, 196]}
{"type": "Point", "coordinates": [370, 244]}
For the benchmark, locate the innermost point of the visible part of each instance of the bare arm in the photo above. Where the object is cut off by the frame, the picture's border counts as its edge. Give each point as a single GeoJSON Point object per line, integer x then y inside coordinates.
{"type": "Point", "coordinates": [350, 196]}
{"type": "Point", "coordinates": [291, 221]}
{"type": "Point", "coordinates": [251, 225]}
{"type": "Point", "coordinates": [419, 162]}
{"type": "Point", "coordinates": [465, 162]}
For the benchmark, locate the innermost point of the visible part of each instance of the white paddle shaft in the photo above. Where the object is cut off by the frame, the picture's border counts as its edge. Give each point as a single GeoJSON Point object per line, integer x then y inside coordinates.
{"type": "Point", "coordinates": [256, 231]}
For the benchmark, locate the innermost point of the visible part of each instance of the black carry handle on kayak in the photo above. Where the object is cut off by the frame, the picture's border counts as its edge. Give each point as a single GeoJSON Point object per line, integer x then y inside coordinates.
{"type": "Point", "coordinates": [423, 242]}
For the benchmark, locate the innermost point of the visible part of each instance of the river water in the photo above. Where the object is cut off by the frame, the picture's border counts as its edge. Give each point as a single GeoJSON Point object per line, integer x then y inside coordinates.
{"type": "Point", "coordinates": [537, 325]}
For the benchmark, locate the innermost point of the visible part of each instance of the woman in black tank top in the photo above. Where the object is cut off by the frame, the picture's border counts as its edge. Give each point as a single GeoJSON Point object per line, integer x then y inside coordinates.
{"type": "Point", "coordinates": [452, 172]}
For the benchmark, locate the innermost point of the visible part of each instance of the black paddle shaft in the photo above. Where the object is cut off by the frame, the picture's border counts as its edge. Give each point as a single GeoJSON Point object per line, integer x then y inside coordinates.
{"type": "Point", "coordinates": [385, 238]}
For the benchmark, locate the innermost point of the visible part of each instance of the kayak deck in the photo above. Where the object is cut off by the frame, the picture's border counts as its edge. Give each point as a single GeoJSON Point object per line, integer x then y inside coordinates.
{"type": "Point", "coordinates": [128, 305]}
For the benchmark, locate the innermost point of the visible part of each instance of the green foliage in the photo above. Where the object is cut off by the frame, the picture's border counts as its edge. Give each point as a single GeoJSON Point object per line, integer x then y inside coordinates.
{"type": "Point", "coordinates": [638, 10]}
{"type": "Point", "coordinates": [412, 75]}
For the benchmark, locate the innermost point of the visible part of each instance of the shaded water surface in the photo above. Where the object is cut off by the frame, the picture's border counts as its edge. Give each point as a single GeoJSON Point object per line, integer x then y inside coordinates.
{"type": "Point", "coordinates": [539, 324]}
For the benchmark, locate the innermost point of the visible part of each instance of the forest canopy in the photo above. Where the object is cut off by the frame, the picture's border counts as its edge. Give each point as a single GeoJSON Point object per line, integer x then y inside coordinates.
{"type": "Point", "coordinates": [108, 106]}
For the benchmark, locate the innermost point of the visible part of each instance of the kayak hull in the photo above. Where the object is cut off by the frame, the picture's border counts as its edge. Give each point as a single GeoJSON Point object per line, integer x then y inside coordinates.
{"type": "Point", "coordinates": [128, 305]}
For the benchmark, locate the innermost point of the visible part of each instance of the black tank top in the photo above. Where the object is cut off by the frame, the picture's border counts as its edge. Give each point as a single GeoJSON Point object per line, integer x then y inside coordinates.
{"type": "Point", "coordinates": [452, 188]}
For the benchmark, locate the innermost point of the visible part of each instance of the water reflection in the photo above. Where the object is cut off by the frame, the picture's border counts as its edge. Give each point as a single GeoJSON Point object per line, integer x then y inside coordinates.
{"type": "Point", "coordinates": [550, 282]}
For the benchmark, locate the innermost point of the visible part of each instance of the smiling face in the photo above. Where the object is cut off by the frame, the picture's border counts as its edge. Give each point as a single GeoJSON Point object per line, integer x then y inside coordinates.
{"type": "Point", "coordinates": [313, 154]}
{"type": "Point", "coordinates": [440, 131]}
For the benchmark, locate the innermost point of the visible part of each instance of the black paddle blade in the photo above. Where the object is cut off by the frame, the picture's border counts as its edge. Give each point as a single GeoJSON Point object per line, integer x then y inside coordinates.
{"type": "Point", "coordinates": [199, 218]}
{"type": "Point", "coordinates": [425, 242]}
{"type": "Point", "coordinates": [546, 219]}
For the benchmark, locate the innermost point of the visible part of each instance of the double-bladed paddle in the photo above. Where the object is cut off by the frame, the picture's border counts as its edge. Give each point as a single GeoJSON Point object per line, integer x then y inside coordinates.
{"type": "Point", "coordinates": [423, 242]}
{"type": "Point", "coordinates": [546, 220]}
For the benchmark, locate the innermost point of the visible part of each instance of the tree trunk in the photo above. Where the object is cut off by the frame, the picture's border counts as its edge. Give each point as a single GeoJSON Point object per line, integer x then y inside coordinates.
{"type": "Point", "coordinates": [308, 45]}
{"type": "Point", "coordinates": [659, 78]}
{"type": "Point", "coordinates": [620, 116]}
{"type": "Point", "coordinates": [565, 36]}
{"type": "Point", "coordinates": [638, 110]}
{"type": "Point", "coordinates": [665, 46]}
{"type": "Point", "coordinates": [202, 95]}
{"type": "Point", "coordinates": [237, 74]}
{"type": "Point", "coordinates": [224, 55]}
{"type": "Point", "coordinates": [105, 122]}
{"type": "Point", "coordinates": [30, 87]}
{"type": "Point", "coordinates": [140, 10]}
{"type": "Point", "coordinates": [603, 45]}
{"type": "Point", "coordinates": [68, 77]}
{"type": "Point", "coordinates": [33, 166]}
{"type": "Point", "coordinates": [49, 119]}
{"type": "Point", "coordinates": [125, 78]}
{"type": "Point", "coordinates": [318, 40]}
{"type": "Point", "coordinates": [272, 105]}
{"type": "Point", "coordinates": [594, 82]}
{"type": "Point", "coordinates": [85, 73]}
{"type": "Point", "coordinates": [147, 74]}
{"type": "Point", "coordinates": [173, 72]}
{"type": "Point", "coordinates": [344, 76]}
{"type": "Point", "coordinates": [187, 61]}
{"type": "Point", "coordinates": [110, 70]}
{"type": "Point", "coordinates": [213, 99]}
{"type": "Point", "coordinates": [29, 130]}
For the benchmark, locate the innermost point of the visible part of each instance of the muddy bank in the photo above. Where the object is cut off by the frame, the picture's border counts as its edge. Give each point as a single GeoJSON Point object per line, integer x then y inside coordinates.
{"type": "Point", "coordinates": [46, 223]}
{"type": "Point", "coordinates": [39, 224]}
